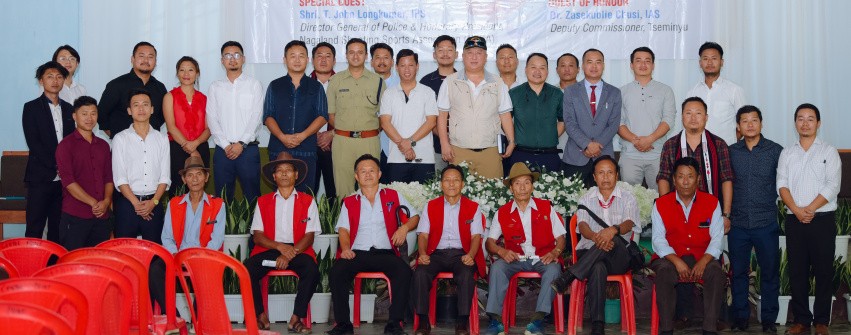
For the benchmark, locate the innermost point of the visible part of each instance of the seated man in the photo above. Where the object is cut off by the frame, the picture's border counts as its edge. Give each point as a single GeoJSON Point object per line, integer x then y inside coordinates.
{"type": "Point", "coordinates": [533, 245]}
{"type": "Point", "coordinates": [687, 236]}
{"type": "Point", "coordinates": [369, 237]}
{"type": "Point", "coordinates": [285, 236]}
{"type": "Point", "coordinates": [598, 253]}
{"type": "Point", "coordinates": [450, 240]}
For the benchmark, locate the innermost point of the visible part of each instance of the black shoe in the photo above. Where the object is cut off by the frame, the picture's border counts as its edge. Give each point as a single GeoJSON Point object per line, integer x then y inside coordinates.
{"type": "Point", "coordinates": [598, 328]}
{"type": "Point", "coordinates": [562, 283]}
{"type": "Point", "coordinates": [769, 328]}
{"type": "Point", "coordinates": [341, 328]}
{"type": "Point", "coordinates": [706, 332]}
{"type": "Point", "coordinates": [740, 325]}
{"type": "Point", "coordinates": [393, 328]}
{"type": "Point", "coordinates": [682, 323]}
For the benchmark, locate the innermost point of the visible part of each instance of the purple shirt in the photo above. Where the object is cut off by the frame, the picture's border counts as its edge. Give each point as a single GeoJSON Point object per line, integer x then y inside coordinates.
{"type": "Point", "coordinates": [87, 164]}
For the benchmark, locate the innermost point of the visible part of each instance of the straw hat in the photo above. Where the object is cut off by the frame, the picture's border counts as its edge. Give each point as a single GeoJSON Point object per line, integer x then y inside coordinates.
{"type": "Point", "coordinates": [520, 169]}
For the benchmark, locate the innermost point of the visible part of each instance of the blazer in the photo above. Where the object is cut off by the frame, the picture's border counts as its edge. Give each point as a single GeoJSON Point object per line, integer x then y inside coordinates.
{"type": "Point", "coordinates": [40, 135]}
{"type": "Point", "coordinates": [581, 128]}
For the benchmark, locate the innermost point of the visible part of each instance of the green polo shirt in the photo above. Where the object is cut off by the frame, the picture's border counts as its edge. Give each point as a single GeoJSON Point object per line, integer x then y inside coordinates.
{"type": "Point", "coordinates": [354, 102]}
{"type": "Point", "coordinates": [536, 116]}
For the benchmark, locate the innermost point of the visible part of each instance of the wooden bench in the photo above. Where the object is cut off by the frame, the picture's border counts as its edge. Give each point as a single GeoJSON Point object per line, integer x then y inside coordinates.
{"type": "Point", "coordinates": [13, 191]}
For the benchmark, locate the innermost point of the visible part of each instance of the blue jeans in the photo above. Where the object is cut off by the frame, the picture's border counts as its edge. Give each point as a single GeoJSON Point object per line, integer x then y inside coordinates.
{"type": "Point", "coordinates": [500, 274]}
{"type": "Point", "coordinates": [246, 167]}
{"type": "Point", "coordinates": [305, 186]}
{"type": "Point", "coordinates": [765, 242]}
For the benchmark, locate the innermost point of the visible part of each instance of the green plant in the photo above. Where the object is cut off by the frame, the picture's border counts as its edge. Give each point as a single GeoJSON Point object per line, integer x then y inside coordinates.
{"type": "Point", "coordinates": [283, 285]}
{"type": "Point", "coordinates": [781, 216]}
{"type": "Point", "coordinates": [845, 276]}
{"type": "Point", "coordinates": [843, 218]}
{"type": "Point", "coordinates": [329, 211]}
{"type": "Point", "coordinates": [230, 280]}
{"type": "Point", "coordinates": [785, 286]}
{"type": "Point", "coordinates": [326, 260]}
{"type": "Point", "coordinates": [239, 216]}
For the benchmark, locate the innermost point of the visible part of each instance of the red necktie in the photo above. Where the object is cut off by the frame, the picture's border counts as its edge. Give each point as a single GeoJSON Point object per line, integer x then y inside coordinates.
{"type": "Point", "coordinates": [593, 101]}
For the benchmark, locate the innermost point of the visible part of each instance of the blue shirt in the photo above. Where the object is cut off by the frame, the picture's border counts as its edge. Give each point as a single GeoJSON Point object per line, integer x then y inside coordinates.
{"type": "Point", "coordinates": [294, 109]}
{"type": "Point", "coordinates": [754, 186]}
{"type": "Point", "coordinates": [192, 227]}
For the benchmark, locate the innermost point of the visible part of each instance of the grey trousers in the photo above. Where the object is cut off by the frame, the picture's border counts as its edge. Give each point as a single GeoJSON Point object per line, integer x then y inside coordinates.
{"type": "Point", "coordinates": [636, 171]}
{"type": "Point", "coordinates": [500, 275]}
{"type": "Point", "coordinates": [667, 279]}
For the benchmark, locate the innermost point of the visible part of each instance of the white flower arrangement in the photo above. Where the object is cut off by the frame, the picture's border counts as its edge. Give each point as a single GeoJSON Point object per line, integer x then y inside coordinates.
{"type": "Point", "coordinates": [644, 197]}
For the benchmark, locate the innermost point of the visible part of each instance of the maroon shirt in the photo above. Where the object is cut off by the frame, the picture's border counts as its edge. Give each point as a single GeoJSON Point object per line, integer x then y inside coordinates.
{"type": "Point", "coordinates": [87, 164]}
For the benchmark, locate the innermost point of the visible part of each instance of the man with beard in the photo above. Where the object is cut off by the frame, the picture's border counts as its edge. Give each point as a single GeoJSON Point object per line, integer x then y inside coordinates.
{"type": "Point", "coordinates": [723, 97]}
{"type": "Point", "coordinates": [114, 101]}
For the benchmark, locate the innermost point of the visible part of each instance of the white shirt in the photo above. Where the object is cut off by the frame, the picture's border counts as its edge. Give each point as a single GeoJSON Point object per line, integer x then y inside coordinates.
{"type": "Point", "coordinates": [407, 118]}
{"type": "Point", "coordinates": [56, 114]}
{"type": "Point", "coordinates": [716, 230]}
{"type": "Point", "coordinates": [324, 87]}
{"type": "Point", "coordinates": [284, 210]}
{"type": "Point", "coordinates": [391, 81]}
{"type": "Point", "coordinates": [449, 237]}
{"type": "Point", "coordinates": [71, 93]}
{"type": "Point", "coordinates": [622, 208]}
{"type": "Point", "coordinates": [372, 233]}
{"type": "Point", "coordinates": [505, 106]}
{"type": "Point", "coordinates": [808, 174]}
{"type": "Point", "coordinates": [526, 221]}
{"type": "Point", "coordinates": [142, 164]}
{"type": "Point", "coordinates": [723, 100]}
{"type": "Point", "coordinates": [234, 110]}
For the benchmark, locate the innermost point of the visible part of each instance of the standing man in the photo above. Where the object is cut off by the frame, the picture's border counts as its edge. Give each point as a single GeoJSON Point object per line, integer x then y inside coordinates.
{"type": "Point", "coordinates": [46, 121]}
{"type": "Point", "coordinates": [115, 99]}
{"type": "Point", "coordinates": [140, 172]}
{"type": "Point", "coordinates": [808, 177]}
{"type": "Point", "coordinates": [648, 113]}
{"type": "Point", "coordinates": [234, 114]}
{"type": "Point", "coordinates": [538, 117]}
{"type": "Point", "coordinates": [445, 54]}
{"type": "Point", "coordinates": [85, 163]}
{"type": "Point", "coordinates": [294, 110]}
{"type": "Point", "coordinates": [567, 67]}
{"type": "Point", "coordinates": [408, 114]}
{"type": "Point", "coordinates": [592, 115]}
{"type": "Point", "coordinates": [354, 96]}
{"type": "Point", "coordinates": [382, 64]}
{"type": "Point", "coordinates": [722, 96]}
{"type": "Point", "coordinates": [506, 63]}
{"type": "Point", "coordinates": [754, 219]}
{"type": "Point", "coordinates": [324, 58]}
{"type": "Point", "coordinates": [285, 223]}
{"type": "Point", "coordinates": [479, 105]}
{"type": "Point", "coordinates": [533, 245]}
{"type": "Point", "coordinates": [369, 241]}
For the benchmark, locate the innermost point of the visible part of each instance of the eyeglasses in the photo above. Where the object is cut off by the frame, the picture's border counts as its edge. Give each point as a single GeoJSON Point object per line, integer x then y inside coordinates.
{"type": "Point", "coordinates": [67, 59]}
{"type": "Point", "coordinates": [236, 56]}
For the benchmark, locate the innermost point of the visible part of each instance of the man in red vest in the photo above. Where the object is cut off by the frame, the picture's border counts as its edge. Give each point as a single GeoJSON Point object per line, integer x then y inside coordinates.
{"type": "Point", "coordinates": [534, 239]}
{"type": "Point", "coordinates": [687, 235]}
{"type": "Point", "coordinates": [369, 237]}
{"type": "Point", "coordinates": [449, 240]}
{"type": "Point", "coordinates": [283, 227]}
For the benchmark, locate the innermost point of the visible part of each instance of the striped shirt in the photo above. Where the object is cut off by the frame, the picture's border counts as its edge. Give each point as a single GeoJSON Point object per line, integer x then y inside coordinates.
{"type": "Point", "coordinates": [808, 174]}
{"type": "Point", "coordinates": [622, 208]}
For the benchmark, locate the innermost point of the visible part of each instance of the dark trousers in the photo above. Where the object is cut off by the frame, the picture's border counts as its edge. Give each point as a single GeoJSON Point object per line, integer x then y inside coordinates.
{"type": "Point", "coordinates": [310, 178]}
{"type": "Point", "coordinates": [585, 172]}
{"type": "Point", "coordinates": [409, 172]}
{"type": "Point", "coordinates": [545, 162]}
{"type": "Point", "coordinates": [178, 160]}
{"type": "Point", "coordinates": [128, 224]}
{"type": "Point", "coordinates": [81, 233]}
{"type": "Point", "coordinates": [325, 169]}
{"type": "Point", "coordinates": [382, 165]}
{"type": "Point", "coordinates": [595, 265]}
{"type": "Point", "coordinates": [765, 242]}
{"type": "Point", "coordinates": [44, 206]}
{"type": "Point", "coordinates": [375, 260]}
{"type": "Point", "coordinates": [156, 283]}
{"type": "Point", "coordinates": [303, 265]}
{"type": "Point", "coordinates": [445, 260]}
{"type": "Point", "coordinates": [246, 167]}
{"type": "Point", "coordinates": [811, 246]}
{"type": "Point", "coordinates": [667, 279]}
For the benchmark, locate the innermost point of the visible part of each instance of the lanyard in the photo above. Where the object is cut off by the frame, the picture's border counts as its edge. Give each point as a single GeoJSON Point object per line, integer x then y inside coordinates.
{"type": "Point", "coordinates": [704, 149]}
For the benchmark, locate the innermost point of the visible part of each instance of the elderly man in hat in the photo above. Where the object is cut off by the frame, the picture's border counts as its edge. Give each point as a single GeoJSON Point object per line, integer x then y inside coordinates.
{"type": "Point", "coordinates": [533, 241]}
{"type": "Point", "coordinates": [284, 224]}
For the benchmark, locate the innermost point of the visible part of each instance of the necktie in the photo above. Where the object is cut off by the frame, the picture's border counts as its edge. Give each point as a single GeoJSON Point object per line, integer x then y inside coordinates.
{"type": "Point", "coordinates": [593, 101]}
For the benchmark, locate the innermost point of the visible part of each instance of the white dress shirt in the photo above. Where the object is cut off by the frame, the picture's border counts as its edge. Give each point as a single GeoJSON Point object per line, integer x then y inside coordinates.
{"type": "Point", "coordinates": [235, 110]}
{"type": "Point", "coordinates": [808, 174]}
{"type": "Point", "coordinates": [716, 230]}
{"type": "Point", "coordinates": [142, 164]}
{"type": "Point", "coordinates": [723, 101]}
{"type": "Point", "coordinates": [526, 221]}
{"type": "Point", "coordinates": [56, 114]}
{"type": "Point", "coordinates": [284, 209]}
{"type": "Point", "coordinates": [71, 93]}
{"type": "Point", "coordinates": [622, 208]}
{"type": "Point", "coordinates": [407, 117]}
{"type": "Point", "coordinates": [449, 237]}
{"type": "Point", "coordinates": [372, 232]}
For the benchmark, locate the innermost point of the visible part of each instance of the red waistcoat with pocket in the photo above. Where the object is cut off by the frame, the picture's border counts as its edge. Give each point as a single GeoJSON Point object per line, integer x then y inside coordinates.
{"type": "Point", "coordinates": [267, 208]}
{"type": "Point", "coordinates": [208, 217]}
{"type": "Point", "coordinates": [542, 229]}
{"type": "Point", "coordinates": [465, 219]}
{"type": "Point", "coordinates": [684, 235]}
{"type": "Point", "coordinates": [389, 203]}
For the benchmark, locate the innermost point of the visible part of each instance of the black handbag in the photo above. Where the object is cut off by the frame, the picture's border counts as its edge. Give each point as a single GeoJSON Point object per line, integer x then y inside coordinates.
{"type": "Point", "coordinates": [636, 257]}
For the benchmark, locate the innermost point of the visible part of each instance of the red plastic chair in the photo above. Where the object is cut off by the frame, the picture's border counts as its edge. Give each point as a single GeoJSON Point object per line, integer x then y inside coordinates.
{"type": "Point", "coordinates": [10, 269]}
{"type": "Point", "coordinates": [654, 310]}
{"type": "Point", "coordinates": [264, 287]}
{"type": "Point", "coordinates": [357, 291]}
{"type": "Point", "coordinates": [577, 294]}
{"type": "Point", "coordinates": [509, 314]}
{"type": "Point", "coordinates": [206, 269]}
{"type": "Point", "coordinates": [107, 292]}
{"type": "Point", "coordinates": [29, 254]}
{"type": "Point", "coordinates": [53, 295]}
{"type": "Point", "coordinates": [432, 306]}
{"type": "Point", "coordinates": [26, 319]}
{"type": "Point", "coordinates": [144, 251]}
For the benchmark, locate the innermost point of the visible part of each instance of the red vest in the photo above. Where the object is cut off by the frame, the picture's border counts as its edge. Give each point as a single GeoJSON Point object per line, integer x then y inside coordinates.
{"type": "Point", "coordinates": [465, 219]}
{"type": "Point", "coordinates": [266, 205]}
{"type": "Point", "coordinates": [208, 215]}
{"type": "Point", "coordinates": [684, 235]}
{"type": "Point", "coordinates": [389, 203]}
{"type": "Point", "coordinates": [542, 230]}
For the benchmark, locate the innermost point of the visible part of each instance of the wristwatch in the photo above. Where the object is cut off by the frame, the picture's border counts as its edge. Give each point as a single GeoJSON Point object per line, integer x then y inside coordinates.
{"type": "Point", "coordinates": [726, 215]}
{"type": "Point", "coordinates": [413, 143]}
{"type": "Point", "coordinates": [156, 202]}
{"type": "Point", "coordinates": [617, 228]}
{"type": "Point", "coordinates": [243, 144]}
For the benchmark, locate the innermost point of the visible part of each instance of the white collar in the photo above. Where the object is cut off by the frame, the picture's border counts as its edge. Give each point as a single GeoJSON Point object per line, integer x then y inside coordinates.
{"type": "Point", "coordinates": [531, 205]}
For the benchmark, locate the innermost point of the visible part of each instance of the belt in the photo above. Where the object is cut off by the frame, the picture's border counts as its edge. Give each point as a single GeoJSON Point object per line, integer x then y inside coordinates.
{"type": "Point", "coordinates": [357, 134]}
{"type": "Point", "coordinates": [478, 149]}
{"type": "Point", "coordinates": [538, 151]}
{"type": "Point", "coordinates": [144, 197]}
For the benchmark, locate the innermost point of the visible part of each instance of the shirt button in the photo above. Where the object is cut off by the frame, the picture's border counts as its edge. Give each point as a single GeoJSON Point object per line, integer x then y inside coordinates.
{"type": "Point", "coordinates": [688, 248]}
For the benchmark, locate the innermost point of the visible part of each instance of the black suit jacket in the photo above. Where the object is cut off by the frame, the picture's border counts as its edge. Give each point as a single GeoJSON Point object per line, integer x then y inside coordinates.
{"type": "Point", "coordinates": [40, 134]}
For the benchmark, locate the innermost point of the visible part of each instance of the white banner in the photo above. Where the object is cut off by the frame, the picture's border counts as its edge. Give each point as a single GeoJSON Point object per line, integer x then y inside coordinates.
{"type": "Point", "coordinates": [674, 29]}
